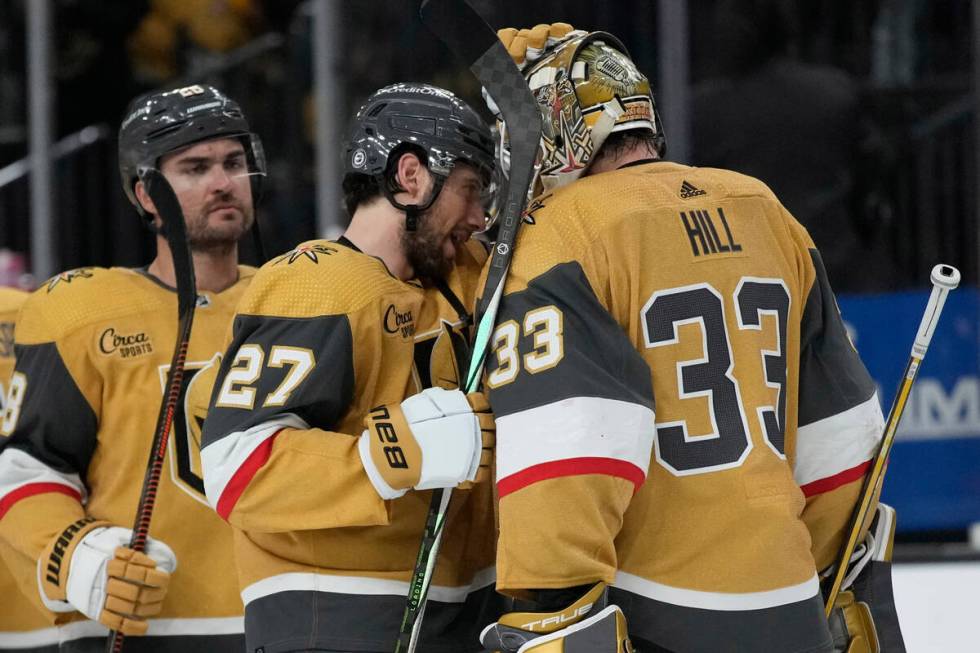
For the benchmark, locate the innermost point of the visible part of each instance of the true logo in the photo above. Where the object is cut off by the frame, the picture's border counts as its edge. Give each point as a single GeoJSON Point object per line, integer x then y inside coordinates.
{"type": "Point", "coordinates": [126, 345]}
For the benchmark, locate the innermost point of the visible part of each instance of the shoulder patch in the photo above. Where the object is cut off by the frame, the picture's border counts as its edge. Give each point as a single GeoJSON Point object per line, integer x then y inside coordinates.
{"type": "Point", "coordinates": [308, 251]}
{"type": "Point", "coordinates": [68, 276]}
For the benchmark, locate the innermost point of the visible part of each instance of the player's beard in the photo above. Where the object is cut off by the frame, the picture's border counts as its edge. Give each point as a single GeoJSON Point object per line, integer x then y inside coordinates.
{"type": "Point", "coordinates": [221, 238]}
{"type": "Point", "coordinates": [423, 249]}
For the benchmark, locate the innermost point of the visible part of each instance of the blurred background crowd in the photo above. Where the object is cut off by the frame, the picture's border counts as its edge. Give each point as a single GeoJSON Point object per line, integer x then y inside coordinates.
{"type": "Point", "coordinates": [859, 115]}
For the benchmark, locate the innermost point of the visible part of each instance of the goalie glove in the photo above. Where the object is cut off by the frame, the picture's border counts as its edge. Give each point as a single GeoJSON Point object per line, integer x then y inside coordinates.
{"type": "Point", "coordinates": [89, 567]}
{"type": "Point", "coordinates": [525, 46]}
{"type": "Point", "coordinates": [436, 439]}
{"type": "Point", "coordinates": [587, 624]}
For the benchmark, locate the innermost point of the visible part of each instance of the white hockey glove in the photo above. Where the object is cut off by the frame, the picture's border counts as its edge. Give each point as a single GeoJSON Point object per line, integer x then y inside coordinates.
{"type": "Point", "coordinates": [89, 567]}
{"type": "Point", "coordinates": [588, 624]}
{"type": "Point", "coordinates": [435, 439]}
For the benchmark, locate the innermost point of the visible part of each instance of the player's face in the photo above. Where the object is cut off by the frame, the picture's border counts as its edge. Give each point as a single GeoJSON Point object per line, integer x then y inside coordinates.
{"type": "Point", "coordinates": [211, 181]}
{"type": "Point", "coordinates": [456, 215]}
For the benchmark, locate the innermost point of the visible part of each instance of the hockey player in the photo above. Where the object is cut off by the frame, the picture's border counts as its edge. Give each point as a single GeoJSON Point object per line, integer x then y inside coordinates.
{"type": "Point", "coordinates": [680, 413]}
{"type": "Point", "coordinates": [335, 407]}
{"type": "Point", "coordinates": [93, 349]}
{"type": "Point", "coordinates": [23, 626]}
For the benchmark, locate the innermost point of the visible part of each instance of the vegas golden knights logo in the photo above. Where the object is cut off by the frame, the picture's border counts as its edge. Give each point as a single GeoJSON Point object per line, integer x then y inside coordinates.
{"type": "Point", "coordinates": [441, 357]}
{"type": "Point", "coordinates": [184, 446]}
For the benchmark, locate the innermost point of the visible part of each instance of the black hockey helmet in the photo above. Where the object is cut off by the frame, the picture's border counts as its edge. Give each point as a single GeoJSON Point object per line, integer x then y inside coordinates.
{"type": "Point", "coordinates": [164, 121]}
{"type": "Point", "coordinates": [434, 120]}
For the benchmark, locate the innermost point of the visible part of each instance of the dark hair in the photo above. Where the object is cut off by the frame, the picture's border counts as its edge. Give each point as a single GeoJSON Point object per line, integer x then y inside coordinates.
{"type": "Point", "coordinates": [619, 143]}
{"type": "Point", "coordinates": [360, 189]}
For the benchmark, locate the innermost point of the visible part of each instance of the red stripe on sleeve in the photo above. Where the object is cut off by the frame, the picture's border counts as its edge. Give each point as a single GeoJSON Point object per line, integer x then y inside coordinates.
{"type": "Point", "coordinates": [233, 490]}
{"type": "Point", "coordinates": [833, 482]}
{"type": "Point", "coordinates": [571, 467]}
{"type": "Point", "coordinates": [31, 489]}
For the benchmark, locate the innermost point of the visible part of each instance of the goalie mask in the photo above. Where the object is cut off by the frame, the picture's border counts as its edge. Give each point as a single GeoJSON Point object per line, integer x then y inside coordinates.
{"type": "Point", "coordinates": [587, 88]}
{"type": "Point", "coordinates": [163, 122]}
{"type": "Point", "coordinates": [430, 119]}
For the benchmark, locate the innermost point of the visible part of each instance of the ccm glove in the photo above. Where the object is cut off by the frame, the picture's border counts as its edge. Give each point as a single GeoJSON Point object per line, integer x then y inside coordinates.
{"type": "Point", "coordinates": [89, 567]}
{"type": "Point", "coordinates": [435, 439]}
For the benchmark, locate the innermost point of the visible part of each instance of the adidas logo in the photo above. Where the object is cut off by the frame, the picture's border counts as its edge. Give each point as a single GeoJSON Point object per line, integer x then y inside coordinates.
{"type": "Point", "coordinates": [688, 190]}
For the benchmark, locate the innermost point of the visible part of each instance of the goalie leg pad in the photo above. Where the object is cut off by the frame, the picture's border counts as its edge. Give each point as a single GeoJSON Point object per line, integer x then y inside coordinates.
{"type": "Point", "coordinates": [852, 626]}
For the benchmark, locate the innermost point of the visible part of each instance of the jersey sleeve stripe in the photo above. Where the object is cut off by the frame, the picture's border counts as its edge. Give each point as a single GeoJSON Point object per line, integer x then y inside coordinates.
{"type": "Point", "coordinates": [32, 489]}
{"type": "Point", "coordinates": [835, 481]}
{"type": "Point", "coordinates": [571, 467]}
{"type": "Point", "coordinates": [567, 437]}
{"type": "Point", "coordinates": [838, 444]}
{"type": "Point", "coordinates": [240, 480]}
{"type": "Point", "coordinates": [230, 463]}
{"type": "Point", "coordinates": [22, 475]}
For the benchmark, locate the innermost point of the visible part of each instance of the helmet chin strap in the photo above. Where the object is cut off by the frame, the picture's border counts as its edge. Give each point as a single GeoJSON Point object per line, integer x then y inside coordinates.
{"type": "Point", "coordinates": [413, 212]}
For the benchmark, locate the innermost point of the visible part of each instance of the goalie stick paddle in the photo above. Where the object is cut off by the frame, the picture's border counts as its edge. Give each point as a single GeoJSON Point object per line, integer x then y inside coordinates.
{"type": "Point", "coordinates": [174, 230]}
{"type": "Point", "coordinates": [944, 278]}
{"type": "Point", "coordinates": [469, 37]}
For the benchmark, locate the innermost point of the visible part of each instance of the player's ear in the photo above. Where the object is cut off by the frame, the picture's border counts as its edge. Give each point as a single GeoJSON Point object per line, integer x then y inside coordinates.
{"type": "Point", "coordinates": [411, 174]}
{"type": "Point", "coordinates": [144, 198]}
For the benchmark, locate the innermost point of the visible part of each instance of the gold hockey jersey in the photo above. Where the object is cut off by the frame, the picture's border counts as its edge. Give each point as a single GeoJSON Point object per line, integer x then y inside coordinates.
{"type": "Point", "coordinates": [93, 349]}
{"type": "Point", "coordinates": [324, 334]}
{"type": "Point", "coordinates": [679, 410]}
{"type": "Point", "coordinates": [23, 623]}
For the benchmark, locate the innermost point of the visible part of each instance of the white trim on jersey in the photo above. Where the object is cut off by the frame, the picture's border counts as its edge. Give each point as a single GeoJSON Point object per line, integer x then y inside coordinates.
{"type": "Point", "coordinates": [28, 638]}
{"type": "Point", "coordinates": [574, 428]}
{"type": "Point", "coordinates": [723, 601]}
{"type": "Point", "coordinates": [19, 469]}
{"type": "Point", "coordinates": [361, 585]}
{"type": "Point", "coordinates": [159, 627]}
{"type": "Point", "coordinates": [222, 459]}
{"type": "Point", "coordinates": [838, 443]}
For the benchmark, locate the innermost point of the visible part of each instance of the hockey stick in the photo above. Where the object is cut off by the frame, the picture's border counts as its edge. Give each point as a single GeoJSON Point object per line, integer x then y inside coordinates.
{"type": "Point", "coordinates": [476, 43]}
{"type": "Point", "coordinates": [170, 212]}
{"type": "Point", "coordinates": [944, 278]}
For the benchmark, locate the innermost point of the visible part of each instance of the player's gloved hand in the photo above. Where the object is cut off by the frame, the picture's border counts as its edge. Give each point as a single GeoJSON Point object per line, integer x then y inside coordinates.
{"type": "Point", "coordinates": [435, 439]}
{"type": "Point", "coordinates": [586, 624]}
{"type": "Point", "coordinates": [527, 45]}
{"type": "Point", "coordinates": [89, 567]}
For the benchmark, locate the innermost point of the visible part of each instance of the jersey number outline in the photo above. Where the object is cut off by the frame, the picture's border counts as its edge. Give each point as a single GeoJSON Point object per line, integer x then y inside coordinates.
{"type": "Point", "coordinates": [711, 376]}
{"type": "Point", "coordinates": [236, 388]}
{"type": "Point", "coordinates": [11, 403]}
{"type": "Point", "coordinates": [546, 325]}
